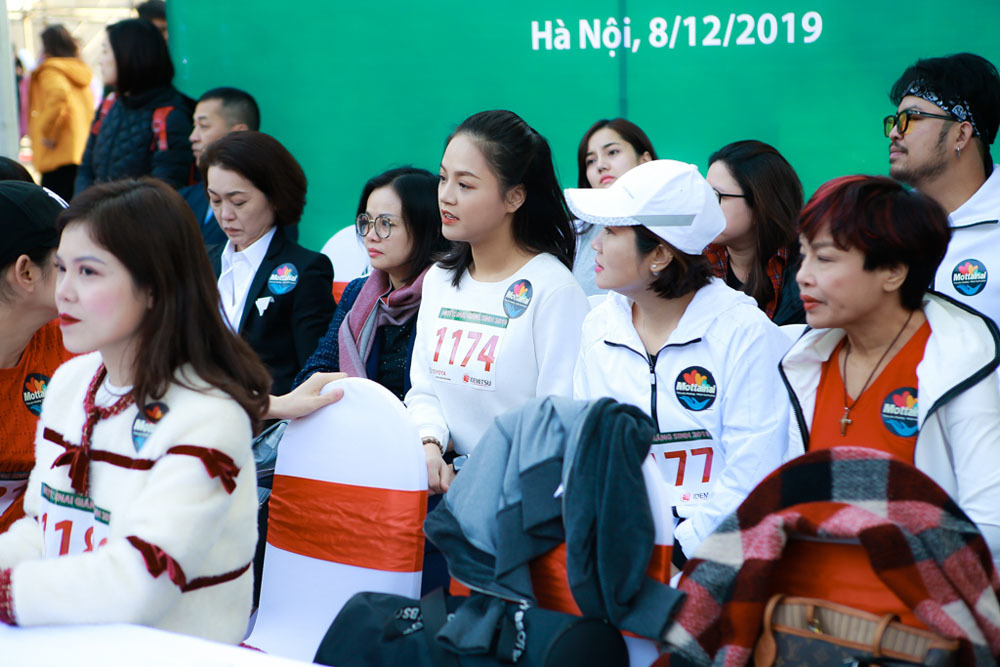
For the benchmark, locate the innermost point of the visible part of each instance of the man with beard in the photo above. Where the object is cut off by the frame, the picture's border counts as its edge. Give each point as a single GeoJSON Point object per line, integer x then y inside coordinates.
{"type": "Point", "coordinates": [947, 113]}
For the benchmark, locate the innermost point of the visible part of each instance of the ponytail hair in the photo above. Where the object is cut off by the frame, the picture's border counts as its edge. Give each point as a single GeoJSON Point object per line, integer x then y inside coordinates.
{"type": "Point", "coordinates": [518, 155]}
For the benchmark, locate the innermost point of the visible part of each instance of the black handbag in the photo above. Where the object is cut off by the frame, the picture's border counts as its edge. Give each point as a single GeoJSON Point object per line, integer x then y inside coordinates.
{"type": "Point", "coordinates": [382, 630]}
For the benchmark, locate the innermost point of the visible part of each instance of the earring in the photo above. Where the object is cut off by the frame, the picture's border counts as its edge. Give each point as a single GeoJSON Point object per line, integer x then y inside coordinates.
{"type": "Point", "coordinates": [958, 152]}
{"type": "Point", "coordinates": [654, 271]}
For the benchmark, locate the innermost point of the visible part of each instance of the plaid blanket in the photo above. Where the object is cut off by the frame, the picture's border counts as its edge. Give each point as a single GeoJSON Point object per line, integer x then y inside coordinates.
{"type": "Point", "coordinates": [918, 541]}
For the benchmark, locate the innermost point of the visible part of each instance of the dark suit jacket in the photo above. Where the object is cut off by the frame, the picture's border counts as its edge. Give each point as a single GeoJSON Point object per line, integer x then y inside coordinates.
{"type": "Point", "coordinates": [286, 333]}
{"type": "Point", "coordinates": [196, 198]}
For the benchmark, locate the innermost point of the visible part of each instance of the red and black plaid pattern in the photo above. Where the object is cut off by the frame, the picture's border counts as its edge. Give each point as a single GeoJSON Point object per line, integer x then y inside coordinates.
{"type": "Point", "coordinates": [717, 257]}
{"type": "Point", "coordinates": [918, 541]}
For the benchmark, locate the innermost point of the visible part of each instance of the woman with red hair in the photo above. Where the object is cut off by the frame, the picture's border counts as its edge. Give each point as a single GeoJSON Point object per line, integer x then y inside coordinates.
{"type": "Point", "coordinates": [887, 364]}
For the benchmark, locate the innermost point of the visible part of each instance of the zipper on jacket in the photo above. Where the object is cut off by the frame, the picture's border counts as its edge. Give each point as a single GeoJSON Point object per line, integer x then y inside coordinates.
{"type": "Point", "coordinates": [651, 360]}
{"type": "Point", "coordinates": [652, 388]}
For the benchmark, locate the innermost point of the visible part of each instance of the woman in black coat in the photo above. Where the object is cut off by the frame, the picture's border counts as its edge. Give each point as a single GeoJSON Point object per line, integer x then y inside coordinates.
{"type": "Point", "coordinates": [275, 293]}
{"type": "Point", "coordinates": [142, 126]}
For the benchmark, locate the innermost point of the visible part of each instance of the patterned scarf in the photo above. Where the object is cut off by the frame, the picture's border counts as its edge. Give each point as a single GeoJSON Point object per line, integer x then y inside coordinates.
{"type": "Point", "coordinates": [370, 311]}
{"type": "Point", "coordinates": [920, 544]}
{"type": "Point", "coordinates": [719, 259]}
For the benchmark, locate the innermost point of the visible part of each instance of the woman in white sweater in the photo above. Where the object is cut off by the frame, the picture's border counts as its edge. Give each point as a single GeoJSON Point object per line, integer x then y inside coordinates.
{"type": "Point", "coordinates": [500, 316]}
{"type": "Point", "coordinates": [142, 505]}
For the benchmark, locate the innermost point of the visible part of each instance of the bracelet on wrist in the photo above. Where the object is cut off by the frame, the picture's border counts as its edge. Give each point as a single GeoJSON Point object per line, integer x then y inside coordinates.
{"type": "Point", "coordinates": [431, 440]}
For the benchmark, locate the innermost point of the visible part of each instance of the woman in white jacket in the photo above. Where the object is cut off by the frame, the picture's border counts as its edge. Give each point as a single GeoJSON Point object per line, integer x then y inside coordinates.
{"type": "Point", "coordinates": [700, 357]}
{"type": "Point", "coordinates": [886, 364]}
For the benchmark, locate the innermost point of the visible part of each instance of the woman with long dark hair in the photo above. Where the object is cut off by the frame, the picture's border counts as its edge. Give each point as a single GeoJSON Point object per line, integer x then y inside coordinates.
{"type": "Point", "coordinates": [142, 126]}
{"type": "Point", "coordinates": [142, 504]}
{"type": "Point", "coordinates": [607, 150]}
{"type": "Point", "coordinates": [757, 253]}
{"type": "Point", "coordinates": [372, 331]}
{"type": "Point", "coordinates": [500, 315]}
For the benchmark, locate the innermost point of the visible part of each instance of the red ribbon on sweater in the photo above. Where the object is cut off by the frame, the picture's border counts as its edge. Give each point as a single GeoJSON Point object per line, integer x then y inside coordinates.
{"type": "Point", "coordinates": [159, 561]}
{"type": "Point", "coordinates": [218, 464]}
{"type": "Point", "coordinates": [77, 457]}
{"type": "Point", "coordinates": [6, 599]}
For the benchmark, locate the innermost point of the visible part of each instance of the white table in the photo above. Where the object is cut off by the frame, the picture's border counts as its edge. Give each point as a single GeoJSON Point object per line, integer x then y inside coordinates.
{"type": "Point", "coordinates": [122, 645]}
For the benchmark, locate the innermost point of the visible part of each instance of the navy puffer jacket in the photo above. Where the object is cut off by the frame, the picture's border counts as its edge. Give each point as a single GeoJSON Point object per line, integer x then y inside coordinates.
{"type": "Point", "coordinates": [123, 143]}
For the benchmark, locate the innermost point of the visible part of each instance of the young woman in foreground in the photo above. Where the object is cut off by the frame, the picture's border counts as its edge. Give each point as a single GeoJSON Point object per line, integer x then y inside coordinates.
{"type": "Point", "coordinates": [500, 316]}
{"type": "Point", "coordinates": [142, 505]}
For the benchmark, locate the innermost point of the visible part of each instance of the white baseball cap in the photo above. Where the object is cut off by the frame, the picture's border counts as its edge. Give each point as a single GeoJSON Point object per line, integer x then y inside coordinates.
{"type": "Point", "coordinates": [669, 198]}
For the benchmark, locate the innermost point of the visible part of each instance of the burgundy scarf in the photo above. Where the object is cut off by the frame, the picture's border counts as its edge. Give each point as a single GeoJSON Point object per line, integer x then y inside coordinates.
{"type": "Point", "coordinates": [369, 312]}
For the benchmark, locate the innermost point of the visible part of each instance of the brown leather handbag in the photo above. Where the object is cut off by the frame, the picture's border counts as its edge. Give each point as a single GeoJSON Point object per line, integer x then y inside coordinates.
{"type": "Point", "coordinates": [807, 631]}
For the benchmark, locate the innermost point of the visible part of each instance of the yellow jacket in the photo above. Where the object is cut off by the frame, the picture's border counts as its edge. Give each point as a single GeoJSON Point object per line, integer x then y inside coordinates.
{"type": "Point", "coordinates": [61, 108]}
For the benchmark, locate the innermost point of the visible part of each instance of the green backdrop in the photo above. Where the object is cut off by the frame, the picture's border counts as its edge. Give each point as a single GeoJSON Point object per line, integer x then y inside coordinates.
{"type": "Point", "coordinates": [355, 88]}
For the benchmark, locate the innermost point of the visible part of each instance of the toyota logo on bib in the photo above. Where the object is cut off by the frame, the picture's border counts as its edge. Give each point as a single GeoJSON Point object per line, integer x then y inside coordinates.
{"type": "Point", "coordinates": [695, 388]}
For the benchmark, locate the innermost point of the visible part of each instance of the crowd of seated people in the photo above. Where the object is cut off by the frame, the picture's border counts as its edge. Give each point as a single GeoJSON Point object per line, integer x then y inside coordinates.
{"type": "Point", "coordinates": [148, 334]}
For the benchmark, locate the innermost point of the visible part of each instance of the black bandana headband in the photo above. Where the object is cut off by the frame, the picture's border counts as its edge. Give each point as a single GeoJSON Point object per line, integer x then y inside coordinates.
{"type": "Point", "coordinates": [957, 107]}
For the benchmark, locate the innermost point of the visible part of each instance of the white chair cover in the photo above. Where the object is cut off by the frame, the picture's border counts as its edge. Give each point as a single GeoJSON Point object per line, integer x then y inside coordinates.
{"type": "Point", "coordinates": [346, 515]}
{"type": "Point", "coordinates": [348, 256]}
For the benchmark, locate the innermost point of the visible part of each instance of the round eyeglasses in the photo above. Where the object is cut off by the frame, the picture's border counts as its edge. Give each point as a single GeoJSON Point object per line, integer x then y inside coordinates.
{"type": "Point", "coordinates": [902, 120]}
{"type": "Point", "coordinates": [383, 225]}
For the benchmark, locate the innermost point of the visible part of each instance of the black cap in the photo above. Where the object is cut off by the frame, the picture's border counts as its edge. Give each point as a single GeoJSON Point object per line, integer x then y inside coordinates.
{"type": "Point", "coordinates": [27, 219]}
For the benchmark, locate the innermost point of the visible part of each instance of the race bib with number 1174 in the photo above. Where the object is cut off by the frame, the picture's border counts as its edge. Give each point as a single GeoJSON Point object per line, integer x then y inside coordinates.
{"type": "Point", "coordinates": [467, 345]}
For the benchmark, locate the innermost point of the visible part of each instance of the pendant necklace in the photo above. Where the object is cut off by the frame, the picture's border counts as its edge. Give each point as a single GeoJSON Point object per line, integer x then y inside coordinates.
{"type": "Point", "coordinates": [846, 421]}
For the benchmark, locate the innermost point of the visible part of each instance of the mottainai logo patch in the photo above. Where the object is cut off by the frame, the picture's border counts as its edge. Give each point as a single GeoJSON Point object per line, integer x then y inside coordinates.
{"type": "Point", "coordinates": [145, 423]}
{"type": "Point", "coordinates": [283, 279]}
{"type": "Point", "coordinates": [517, 298]}
{"type": "Point", "coordinates": [33, 392]}
{"type": "Point", "coordinates": [899, 412]}
{"type": "Point", "coordinates": [695, 388]}
{"type": "Point", "coordinates": [969, 277]}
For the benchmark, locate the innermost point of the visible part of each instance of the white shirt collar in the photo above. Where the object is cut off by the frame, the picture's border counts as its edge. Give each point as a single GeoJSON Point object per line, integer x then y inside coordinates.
{"type": "Point", "coordinates": [237, 272]}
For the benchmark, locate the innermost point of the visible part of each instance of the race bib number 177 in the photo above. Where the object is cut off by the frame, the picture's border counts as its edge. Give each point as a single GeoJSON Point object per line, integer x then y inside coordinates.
{"type": "Point", "coordinates": [687, 461]}
{"type": "Point", "coordinates": [466, 348]}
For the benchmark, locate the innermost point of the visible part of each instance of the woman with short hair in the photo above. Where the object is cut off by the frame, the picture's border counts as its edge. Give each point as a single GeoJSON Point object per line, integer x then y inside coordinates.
{"type": "Point", "coordinates": [372, 331]}
{"type": "Point", "coordinates": [275, 293]}
{"type": "Point", "coordinates": [885, 363]}
{"type": "Point", "coordinates": [699, 357]}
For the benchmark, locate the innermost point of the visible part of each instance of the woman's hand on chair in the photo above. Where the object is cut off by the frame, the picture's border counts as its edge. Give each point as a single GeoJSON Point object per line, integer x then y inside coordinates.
{"type": "Point", "coordinates": [306, 398]}
{"type": "Point", "coordinates": [439, 473]}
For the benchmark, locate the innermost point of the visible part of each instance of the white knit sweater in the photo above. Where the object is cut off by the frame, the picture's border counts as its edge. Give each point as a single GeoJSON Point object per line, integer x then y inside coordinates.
{"type": "Point", "coordinates": [169, 520]}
